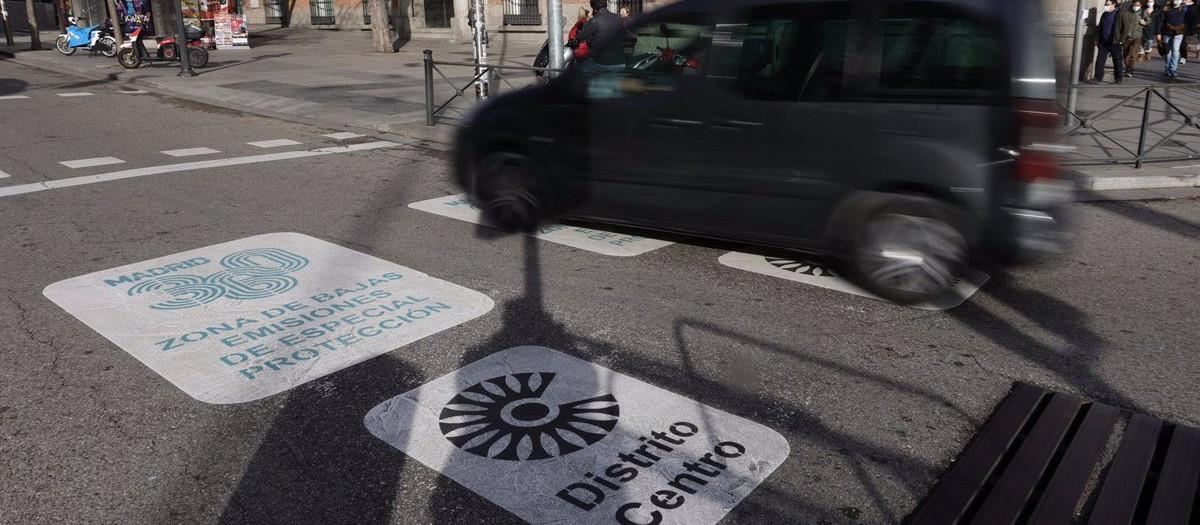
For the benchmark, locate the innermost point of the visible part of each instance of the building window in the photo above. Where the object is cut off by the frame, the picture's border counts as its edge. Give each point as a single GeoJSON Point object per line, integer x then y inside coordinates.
{"type": "Point", "coordinates": [276, 13]}
{"type": "Point", "coordinates": [522, 13]}
{"type": "Point", "coordinates": [438, 13]}
{"type": "Point", "coordinates": [321, 11]}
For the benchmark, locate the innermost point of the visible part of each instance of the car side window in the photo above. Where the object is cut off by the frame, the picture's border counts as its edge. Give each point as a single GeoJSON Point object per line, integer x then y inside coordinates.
{"type": "Point", "coordinates": [663, 52]}
{"type": "Point", "coordinates": [788, 52]}
{"type": "Point", "coordinates": [930, 47]}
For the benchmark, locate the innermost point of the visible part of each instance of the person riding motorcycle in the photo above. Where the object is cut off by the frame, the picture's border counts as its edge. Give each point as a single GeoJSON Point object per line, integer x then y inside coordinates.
{"type": "Point", "coordinates": [604, 34]}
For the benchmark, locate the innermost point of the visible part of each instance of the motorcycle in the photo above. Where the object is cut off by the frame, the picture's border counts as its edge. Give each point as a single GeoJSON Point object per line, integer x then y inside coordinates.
{"type": "Point", "coordinates": [95, 39]}
{"type": "Point", "coordinates": [664, 59]}
{"type": "Point", "coordinates": [543, 60]}
{"type": "Point", "coordinates": [133, 52]}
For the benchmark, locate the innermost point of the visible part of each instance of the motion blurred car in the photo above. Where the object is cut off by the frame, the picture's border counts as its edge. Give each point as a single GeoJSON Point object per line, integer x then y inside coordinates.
{"type": "Point", "coordinates": [904, 139]}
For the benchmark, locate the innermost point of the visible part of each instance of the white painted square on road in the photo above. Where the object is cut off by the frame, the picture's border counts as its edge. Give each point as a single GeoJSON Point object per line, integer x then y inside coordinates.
{"type": "Point", "coordinates": [190, 152]}
{"type": "Point", "coordinates": [250, 318]}
{"type": "Point", "coordinates": [599, 241]}
{"type": "Point", "coordinates": [343, 135]}
{"type": "Point", "coordinates": [88, 163]}
{"type": "Point", "coordinates": [804, 271]}
{"type": "Point", "coordinates": [277, 143]}
{"type": "Point", "coordinates": [13, 97]}
{"type": "Point", "coordinates": [70, 95]}
{"type": "Point", "coordinates": [555, 439]}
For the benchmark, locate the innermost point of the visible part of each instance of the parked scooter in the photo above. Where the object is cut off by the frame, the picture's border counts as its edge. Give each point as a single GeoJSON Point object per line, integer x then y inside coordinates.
{"type": "Point", "coordinates": [133, 52]}
{"type": "Point", "coordinates": [95, 39]}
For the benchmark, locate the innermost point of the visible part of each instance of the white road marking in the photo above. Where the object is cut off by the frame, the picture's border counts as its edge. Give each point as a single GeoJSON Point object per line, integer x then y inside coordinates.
{"type": "Point", "coordinates": [133, 92]}
{"type": "Point", "coordinates": [4, 175]}
{"type": "Point", "coordinates": [598, 241]}
{"type": "Point", "coordinates": [550, 437]}
{"type": "Point", "coordinates": [189, 152]}
{"type": "Point", "coordinates": [186, 166]}
{"type": "Point", "coordinates": [274, 143]}
{"type": "Point", "coordinates": [81, 94]}
{"type": "Point", "coordinates": [87, 163]}
{"type": "Point", "coordinates": [240, 340]}
{"type": "Point", "coordinates": [13, 97]}
{"type": "Point", "coordinates": [343, 135]}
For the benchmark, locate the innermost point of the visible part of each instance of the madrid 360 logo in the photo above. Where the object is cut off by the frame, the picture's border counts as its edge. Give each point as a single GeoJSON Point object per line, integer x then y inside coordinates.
{"type": "Point", "coordinates": [248, 274]}
{"type": "Point", "coordinates": [508, 418]}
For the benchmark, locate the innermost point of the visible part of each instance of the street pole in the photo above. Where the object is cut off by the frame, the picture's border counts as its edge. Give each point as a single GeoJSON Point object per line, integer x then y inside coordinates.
{"type": "Point", "coordinates": [554, 22]}
{"type": "Point", "coordinates": [1076, 62]}
{"type": "Point", "coordinates": [479, 38]}
{"type": "Point", "coordinates": [7, 28]}
{"type": "Point", "coordinates": [185, 66]}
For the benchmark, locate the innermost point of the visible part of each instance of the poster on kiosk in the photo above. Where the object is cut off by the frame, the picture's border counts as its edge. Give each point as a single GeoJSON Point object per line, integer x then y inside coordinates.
{"type": "Point", "coordinates": [228, 25]}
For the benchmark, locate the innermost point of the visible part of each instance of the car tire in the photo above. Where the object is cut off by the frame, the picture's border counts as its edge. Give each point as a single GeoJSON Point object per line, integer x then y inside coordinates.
{"type": "Point", "coordinates": [510, 191]}
{"type": "Point", "coordinates": [908, 251]}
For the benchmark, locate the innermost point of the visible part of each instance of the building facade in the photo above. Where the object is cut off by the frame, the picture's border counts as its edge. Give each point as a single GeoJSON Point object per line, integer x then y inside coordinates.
{"type": "Point", "coordinates": [525, 20]}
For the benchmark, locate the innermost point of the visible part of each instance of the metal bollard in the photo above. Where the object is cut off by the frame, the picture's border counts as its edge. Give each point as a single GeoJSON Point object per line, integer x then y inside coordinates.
{"type": "Point", "coordinates": [429, 87]}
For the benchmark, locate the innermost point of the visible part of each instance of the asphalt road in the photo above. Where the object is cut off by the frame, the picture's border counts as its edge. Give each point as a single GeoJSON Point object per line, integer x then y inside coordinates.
{"type": "Point", "coordinates": [874, 400]}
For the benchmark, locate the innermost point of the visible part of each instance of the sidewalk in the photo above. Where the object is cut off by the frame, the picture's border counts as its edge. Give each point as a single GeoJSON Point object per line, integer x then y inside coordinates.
{"type": "Point", "coordinates": [331, 78]}
{"type": "Point", "coordinates": [323, 77]}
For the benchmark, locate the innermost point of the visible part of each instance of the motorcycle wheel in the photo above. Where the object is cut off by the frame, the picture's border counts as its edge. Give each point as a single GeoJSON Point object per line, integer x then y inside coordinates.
{"type": "Point", "coordinates": [63, 45]}
{"type": "Point", "coordinates": [107, 46]}
{"type": "Point", "coordinates": [128, 58]}
{"type": "Point", "coordinates": [197, 57]}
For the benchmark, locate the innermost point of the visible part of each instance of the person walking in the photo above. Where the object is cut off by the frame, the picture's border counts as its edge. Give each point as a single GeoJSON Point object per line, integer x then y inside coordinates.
{"type": "Point", "coordinates": [1110, 35]}
{"type": "Point", "coordinates": [1192, 16]}
{"type": "Point", "coordinates": [1148, 31]}
{"type": "Point", "coordinates": [1170, 31]}
{"type": "Point", "coordinates": [1135, 19]}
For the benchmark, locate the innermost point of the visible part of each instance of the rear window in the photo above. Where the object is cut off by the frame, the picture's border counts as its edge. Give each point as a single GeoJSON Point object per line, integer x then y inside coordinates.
{"type": "Point", "coordinates": [930, 47]}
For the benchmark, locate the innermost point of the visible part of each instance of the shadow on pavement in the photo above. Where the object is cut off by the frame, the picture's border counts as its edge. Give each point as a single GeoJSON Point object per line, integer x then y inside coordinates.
{"type": "Point", "coordinates": [12, 86]}
{"type": "Point", "coordinates": [317, 463]}
{"type": "Point", "coordinates": [1074, 364]}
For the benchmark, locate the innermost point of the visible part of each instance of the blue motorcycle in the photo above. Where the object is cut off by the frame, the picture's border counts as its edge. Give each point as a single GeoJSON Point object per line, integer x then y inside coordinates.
{"type": "Point", "coordinates": [95, 39]}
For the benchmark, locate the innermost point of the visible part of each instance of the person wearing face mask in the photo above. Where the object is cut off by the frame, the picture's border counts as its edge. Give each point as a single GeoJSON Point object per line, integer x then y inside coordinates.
{"type": "Point", "coordinates": [1135, 19]}
{"type": "Point", "coordinates": [1111, 33]}
{"type": "Point", "coordinates": [1170, 31]}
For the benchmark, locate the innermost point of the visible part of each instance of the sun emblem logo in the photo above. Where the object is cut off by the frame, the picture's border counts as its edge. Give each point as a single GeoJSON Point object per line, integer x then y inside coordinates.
{"type": "Point", "coordinates": [507, 418]}
{"type": "Point", "coordinates": [801, 266]}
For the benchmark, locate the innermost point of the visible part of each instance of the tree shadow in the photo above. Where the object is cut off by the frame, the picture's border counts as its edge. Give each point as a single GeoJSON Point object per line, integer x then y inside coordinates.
{"type": "Point", "coordinates": [12, 86]}
{"type": "Point", "coordinates": [317, 463]}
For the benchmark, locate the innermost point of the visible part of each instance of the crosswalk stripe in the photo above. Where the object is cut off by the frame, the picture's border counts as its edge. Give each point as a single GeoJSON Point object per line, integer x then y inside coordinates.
{"type": "Point", "coordinates": [274, 143]}
{"type": "Point", "coordinates": [133, 92]}
{"type": "Point", "coordinates": [81, 94]}
{"type": "Point", "coordinates": [343, 135]}
{"type": "Point", "coordinates": [87, 163]}
{"type": "Point", "coordinates": [13, 97]}
{"type": "Point", "coordinates": [189, 152]}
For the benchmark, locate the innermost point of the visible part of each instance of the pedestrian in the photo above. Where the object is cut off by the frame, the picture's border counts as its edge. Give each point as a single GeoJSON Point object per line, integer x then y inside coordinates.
{"type": "Point", "coordinates": [1193, 29]}
{"type": "Point", "coordinates": [581, 51]}
{"type": "Point", "coordinates": [604, 34]}
{"type": "Point", "coordinates": [1148, 31]}
{"type": "Point", "coordinates": [1110, 35]}
{"type": "Point", "coordinates": [624, 12]}
{"type": "Point", "coordinates": [1170, 31]}
{"type": "Point", "coordinates": [1136, 20]}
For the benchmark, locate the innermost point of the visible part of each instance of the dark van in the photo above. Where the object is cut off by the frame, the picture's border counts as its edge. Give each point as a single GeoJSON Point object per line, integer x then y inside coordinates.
{"type": "Point", "coordinates": [901, 138]}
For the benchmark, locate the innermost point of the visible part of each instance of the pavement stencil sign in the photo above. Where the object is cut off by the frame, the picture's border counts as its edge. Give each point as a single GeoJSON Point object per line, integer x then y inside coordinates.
{"type": "Point", "coordinates": [605, 243]}
{"type": "Point", "coordinates": [555, 439]}
{"type": "Point", "coordinates": [815, 274]}
{"type": "Point", "coordinates": [250, 318]}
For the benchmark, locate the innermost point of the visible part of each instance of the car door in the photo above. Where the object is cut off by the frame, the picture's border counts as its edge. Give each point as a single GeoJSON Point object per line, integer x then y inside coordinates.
{"type": "Point", "coordinates": [641, 125]}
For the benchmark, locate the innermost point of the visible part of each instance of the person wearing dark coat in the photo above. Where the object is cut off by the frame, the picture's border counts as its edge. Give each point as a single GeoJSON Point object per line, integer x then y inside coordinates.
{"type": "Point", "coordinates": [604, 34]}
{"type": "Point", "coordinates": [1111, 32]}
{"type": "Point", "coordinates": [1170, 32]}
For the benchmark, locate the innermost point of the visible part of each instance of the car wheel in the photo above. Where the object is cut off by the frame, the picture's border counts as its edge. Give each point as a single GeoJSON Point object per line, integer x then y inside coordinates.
{"type": "Point", "coordinates": [908, 252]}
{"type": "Point", "coordinates": [510, 191]}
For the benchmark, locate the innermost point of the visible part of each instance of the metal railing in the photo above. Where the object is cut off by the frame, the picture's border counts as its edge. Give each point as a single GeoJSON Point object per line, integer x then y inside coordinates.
{"type": "Point", "coordinates": [492, 73]}
{"type": "Point", "coordinates": [1156, 140]}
